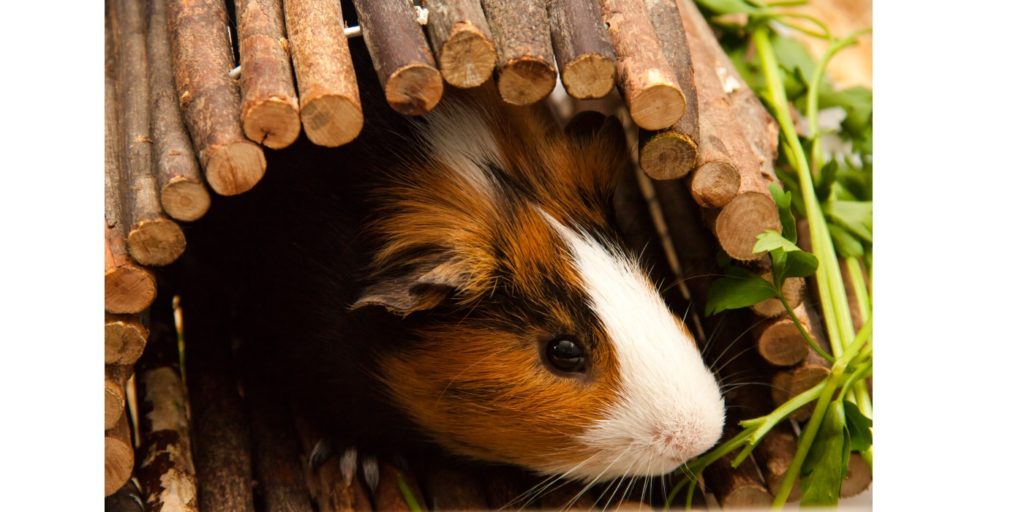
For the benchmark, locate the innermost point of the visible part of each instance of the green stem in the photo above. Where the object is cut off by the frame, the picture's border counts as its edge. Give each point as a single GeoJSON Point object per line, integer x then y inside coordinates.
{"type": "Point", "coordinates": [410, 498]}
{"type": "Point", "coordinates": [803, 332]}
{"type": "Point", "coordinates": [860, 289]}
{"type": "Point", "coordinates": [812, 95]}
{"type": "Point", "coordinates": [762, 425]}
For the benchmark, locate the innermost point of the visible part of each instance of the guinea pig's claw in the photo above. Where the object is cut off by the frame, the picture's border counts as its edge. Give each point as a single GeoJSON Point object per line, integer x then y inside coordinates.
{"type": "Point", "coordinates": [348, 464]}
{"type": "Point", "coordinates": [322, 450]}
{"type": "Point", "coordinates": [371, 472]}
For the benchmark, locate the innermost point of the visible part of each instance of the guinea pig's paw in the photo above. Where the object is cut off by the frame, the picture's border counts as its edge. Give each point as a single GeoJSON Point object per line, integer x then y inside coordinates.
{"type": "Point", "coordinates": [322, 450]}
{"type": "Point", "coordinates": [350, 461]}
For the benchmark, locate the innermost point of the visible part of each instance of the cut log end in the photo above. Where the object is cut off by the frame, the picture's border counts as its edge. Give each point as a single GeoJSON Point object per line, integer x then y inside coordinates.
{"type": "Point", "coordinates": [124, 341]}
{"type": "Point", "coordinates": [781, 344]}
{"type": "Point", "coordinates": [332, 120]}
{"type": "Point", "coordinates": [526, 80]}
{"type": "Point", "coordinates": [738, 224]}
{"type": "Point", "coordinates": [128, 289]}
{"type": "Point", "coordinates": [668, 155]}
{"type": "Point", "coordinates": [589, 76]}
{"type": "Point", "coordinates": [414, 90]}
{"type": "Point", "coordinates": [658, 106]}
{"type": "Point", "coordinates": [185, 199]}
{"type": "Point", "coordinates": [156, 242]}
{"type": "Point", "coordinates": [467, 57]}
{"type": "Point", "coordinates": [747, 496]}
{"type": "Point", "coordinates": [118, 457]}
{"type": "Point", "coordinates": [857, 479]}
{"type": "Point", "coordinates": [714, 184]}
{"type": "Point", "coordinates": [113, 403]}
{"type": "Point", "coordinates": [234, 168]}
{"type": "Point", "coordinates": [273, 123]}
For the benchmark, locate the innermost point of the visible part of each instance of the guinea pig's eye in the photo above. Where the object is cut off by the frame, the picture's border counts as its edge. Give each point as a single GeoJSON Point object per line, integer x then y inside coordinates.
{"type": "Point", "coordinates": [565, 355]}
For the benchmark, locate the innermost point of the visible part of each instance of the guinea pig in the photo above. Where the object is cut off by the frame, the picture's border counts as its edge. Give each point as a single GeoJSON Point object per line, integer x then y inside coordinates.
{"type": "Point", "coordinates": [459, 275]}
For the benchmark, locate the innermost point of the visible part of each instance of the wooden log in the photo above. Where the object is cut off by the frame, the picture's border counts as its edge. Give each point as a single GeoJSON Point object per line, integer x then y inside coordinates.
{"type": "Point", "coordinates": [792, 290]}
{"type": "Point", "coordinates": [774, 455]}
{"type": "Point", "coordinates": [715, 182]}
{"type": "Point", "coordinates": [220, 431]}
{"type": "Point", "coordinates": [526, 62]}
{"type": "Point", "coordinates": [757, 125]}
{"type": "Point", "coordinates": [737, 488]}
{"type": "Point", "coordinates": [113, 393]}
{"type": "Point", "coordinates": [389, 495]}
{"type": "Point", "coordinates": [586, 60]}
{"type": "Point", "coordinates": [128, 288]}
{"type": "Point", "coordinates": [452, 488]}
{"type": "Point", "coordinates": [166, 471]}
{"type": "Point", "coordinates": [780, 342]}
{"type": "Point", "coordinates": [462, 41]}
{"type": "Point", "coordinates": [118, 456]}
{"type": "Point", "coordinates": [858, 477]}
{"type": "Point", "coordinates": [270, 106]}
{"type": "Point", "coordinates": [151, 237]}
{"type": "Point", "coordinates": [124, 339]}
{"type": "Point", "coordinates": [405, 67]}
{"type": "Point", "coordinates": [182, 193]}
{"type": "Point", "coordinates": [209, 99]}
{"type": "Point", "coordinates": [127, 499]}
{"type": "Point", "coordinates": [788, 383]}
{"type": "Point", "coordinates": [737, 225]}
{"type": "Point", "coordinates": [673, 153]}
{"type": "Point", "coordinates": [277, 454]}
{"type": "Point", "coordinates": [646, 80]}
{"type": "Point", "coordinates": [328, 93]}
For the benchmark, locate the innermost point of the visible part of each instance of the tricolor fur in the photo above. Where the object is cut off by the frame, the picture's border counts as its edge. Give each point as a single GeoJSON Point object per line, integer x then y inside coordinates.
{"type": "Point", "coordinates": [497, 230]}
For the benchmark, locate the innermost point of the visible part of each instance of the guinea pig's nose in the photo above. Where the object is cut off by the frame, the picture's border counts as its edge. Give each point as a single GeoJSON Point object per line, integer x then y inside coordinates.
{"type": "Point", "coordinates": [688, 440]}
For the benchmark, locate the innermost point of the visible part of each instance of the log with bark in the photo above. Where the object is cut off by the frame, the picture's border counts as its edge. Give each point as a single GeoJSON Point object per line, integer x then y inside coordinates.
{"type": "Point", "coordinates": [220, 431]}
{"type": "Point", "coordinates": [202, 58]}
{"type": "Point", "coordinates": [462, 41]}
{"type": "Point", "coordinates": [673, 153]}
{"type": "Point", "coordinates": [405, 67]}
{"type": "Point", "coordinates": [166, 471]}
{"type": "Point", "coordinates": [774, 455]}
{"type": "Point", "coordinates": [128, 288]}
{"type": "Point", "coordinates": [270, 106]}
{"type": "Point", "coordinates": [183, 195]}
{"type": "Point", "coordinates": [124, 339]}
{"type": "Point", "coordinates": [526, 62]}
{"type": "Point", "coordinates": [328, 93]}
{"type": "Point", "coordinates": [645, 78]}
{"type": "Point", "coordinates": [569, 495]}
{"type": "Point", "coordinates": [151, 237]}
{"type": "Point", "coordinates": [586, 60]}
{"type": "Point", "coordinates": [792, 290]}
{"type": "Point", "coordinates": [118, 457]}
{"type": "Point", "coordinates": [114, 394]}
{"type": "Point", "coordinates": [740, 487]}
{"type": "Point", "coordinates": [277, 454]}
{"type": "Point", "coordinates": [781, 343]}
{"type": "Point", "coordinates": [738, 140]}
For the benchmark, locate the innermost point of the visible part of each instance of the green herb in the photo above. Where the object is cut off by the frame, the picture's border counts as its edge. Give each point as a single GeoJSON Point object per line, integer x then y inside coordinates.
{"type": "Point", "coordinates": [833, 195]}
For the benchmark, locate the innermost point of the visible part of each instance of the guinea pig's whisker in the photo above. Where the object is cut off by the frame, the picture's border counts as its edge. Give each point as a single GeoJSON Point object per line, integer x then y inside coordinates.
{"type": "Point", "coordinates": [461, 373]}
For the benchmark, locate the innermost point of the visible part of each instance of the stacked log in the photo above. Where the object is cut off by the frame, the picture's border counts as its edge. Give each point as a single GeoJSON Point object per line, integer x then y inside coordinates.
{"type": "Point", "coordinates": [202, 57]}
{"type": "Point", "coordinates": [270, 107]}
{"type": "Point", "coordinates": [166, 471]}
{"type": "Point", "coordinates": [586, 60]}
{"type": "Point", "coordinates": [526, 62]}
{"type": "Point", "coordinates": [328, 95]}
{"type": "Point", "coordinates": [405, 67]}
{"type": "Point", "coordinates": [462, 41]}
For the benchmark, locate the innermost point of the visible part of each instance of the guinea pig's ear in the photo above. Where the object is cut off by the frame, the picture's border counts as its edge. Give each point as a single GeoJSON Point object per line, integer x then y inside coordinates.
{"type": "Point", "coordinates": [422, 288]}
{"type": "Point", "coordinates": [603, 145]}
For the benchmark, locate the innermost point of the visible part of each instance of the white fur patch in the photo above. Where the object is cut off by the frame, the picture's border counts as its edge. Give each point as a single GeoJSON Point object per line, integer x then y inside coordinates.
{"type": "Point", "coordinates": [457, 135]}
{"type": "Point", "coordinates": [669, 408]}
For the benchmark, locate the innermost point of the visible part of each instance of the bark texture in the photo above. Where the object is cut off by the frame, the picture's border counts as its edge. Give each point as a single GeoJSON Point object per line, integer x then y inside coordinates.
{"type": "Point", "coordinates": [526, 62]}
